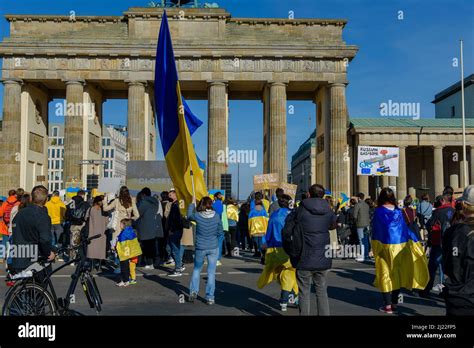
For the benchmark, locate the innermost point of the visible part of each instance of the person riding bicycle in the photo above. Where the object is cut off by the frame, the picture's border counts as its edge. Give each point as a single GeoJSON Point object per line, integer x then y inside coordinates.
{"type": "Point", "coordinates": [32, 232]}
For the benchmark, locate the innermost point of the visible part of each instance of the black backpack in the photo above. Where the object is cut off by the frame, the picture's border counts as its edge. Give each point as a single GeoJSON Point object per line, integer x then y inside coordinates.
{"type": "Point", "coordinates": [77, 214]}
{"type": "Point", "coordinates": [292, 236]}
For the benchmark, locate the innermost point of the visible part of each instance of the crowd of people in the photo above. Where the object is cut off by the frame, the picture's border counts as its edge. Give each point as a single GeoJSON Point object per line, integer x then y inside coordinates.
{"type": "Point", "coordinates": [410, 241]}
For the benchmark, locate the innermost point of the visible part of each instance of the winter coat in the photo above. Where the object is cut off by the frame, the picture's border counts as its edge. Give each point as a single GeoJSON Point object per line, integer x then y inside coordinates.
{"type": "Point", "coordinates": [317, 218]}
{"type": "Point", "coordinates": [208, 228]}
{"type": "Point", "coordinates": [123, 213]}
{"type": "Point", "coordinates": [149, 225]}
{"type": "Point", "coordinates": [362, 214]}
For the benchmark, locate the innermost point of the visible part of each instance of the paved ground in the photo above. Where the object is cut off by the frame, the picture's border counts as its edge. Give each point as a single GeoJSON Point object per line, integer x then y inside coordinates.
{"type": "Point", "coordinates": [349, 286]}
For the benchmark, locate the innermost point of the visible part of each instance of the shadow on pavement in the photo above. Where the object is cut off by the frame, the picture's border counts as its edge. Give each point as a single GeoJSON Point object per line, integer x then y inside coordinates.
{"type": "Point", "coordinates": [245, 299]}
{"type": "Point", "coordinates": [168, 283]}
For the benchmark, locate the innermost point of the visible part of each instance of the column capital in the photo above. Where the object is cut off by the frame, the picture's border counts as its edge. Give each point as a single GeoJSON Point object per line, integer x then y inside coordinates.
{"type": "Point", "coordinates": [136, 83]}
{"type": "Point", "coordinates": [402, 147]}
{"type": "Point", "coordinates": [12, 81]}
{"type": "Point", "coordinates": [75, 82]}
{"type": "Point", "coordinates": [439, 147]}
{"type": "Point", "coordinates": [277, 83]}
{"type": "Point", "coordinates": [217, 83]}
{"type": "Point", "coordinates": [337, 84]}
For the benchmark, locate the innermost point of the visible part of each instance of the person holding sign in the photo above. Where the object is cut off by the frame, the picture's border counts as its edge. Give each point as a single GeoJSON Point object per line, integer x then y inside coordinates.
{"type": "Point", "coordinates": [258, 222]}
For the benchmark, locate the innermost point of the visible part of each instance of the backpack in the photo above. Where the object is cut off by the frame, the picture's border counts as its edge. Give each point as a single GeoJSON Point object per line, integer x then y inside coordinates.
{"type": "Point", "coordinates": [292, 236]}
{"type": "Point", "coordinates": [8, 211]}
{"type": "Point", "coordinates": [77, 214]}
{"type": "Point", "coordinates": [437, 232]}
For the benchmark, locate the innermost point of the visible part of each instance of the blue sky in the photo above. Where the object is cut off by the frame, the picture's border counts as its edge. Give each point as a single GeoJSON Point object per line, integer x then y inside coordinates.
{"type": "Point", "coordinates": [406, 60]}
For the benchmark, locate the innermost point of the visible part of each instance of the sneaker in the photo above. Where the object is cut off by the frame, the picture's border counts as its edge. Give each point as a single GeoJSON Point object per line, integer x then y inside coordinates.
{"type": "Point", "coordinates": [438, 288]}
{"type": "Point", "coordinates": [360, 259]}
{"type": "Point", "coordinates": [283, 307]}
{"type": "Point", "coordinates": [176, 274]}
{"type": "Point", "coordinates": [122, 284]}
{"type": "Point", "coordinates": [219, 263]}
{"type": "Point", "coordinates": [181, 269]}
{"type": "Point", "coordinates": [192, 297]}
{"type": "Point", "coordinates": [149, 267]}
{"type": "Point", "coordinates": [394, 309]}
{"type": "Point", "coordinates": [386, 309]}
{"type": "Point", "coordinates": [169, 264]}
{"type": "Point", "coordinates": [210, 302]}
{"type": "Point", "coordinates": [132, 281]}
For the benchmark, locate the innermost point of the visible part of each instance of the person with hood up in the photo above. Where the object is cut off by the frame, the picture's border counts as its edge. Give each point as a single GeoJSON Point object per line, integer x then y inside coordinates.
{"type": "Point", "coordinates": [208, 232]}
{"type": "Point", "coordinates": [277, 263]}
{"type": "Point", "coordinates": [149, 226]}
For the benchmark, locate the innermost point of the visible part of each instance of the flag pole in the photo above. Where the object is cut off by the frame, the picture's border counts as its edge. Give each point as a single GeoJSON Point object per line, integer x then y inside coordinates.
{"type": "Point", "coordinates": [192, 184]}
{"type": "Point", "coordinates": [464, 169]}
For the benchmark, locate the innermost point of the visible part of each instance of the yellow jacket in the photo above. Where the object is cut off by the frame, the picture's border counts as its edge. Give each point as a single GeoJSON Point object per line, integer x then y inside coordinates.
{"type": "Point", "coordinates": [56, 210]}
{"type": "Point", "coordinates": [232, 212]}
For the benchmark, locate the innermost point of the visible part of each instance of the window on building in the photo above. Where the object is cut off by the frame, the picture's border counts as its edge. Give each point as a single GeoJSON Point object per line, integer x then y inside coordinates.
{"type": "Point", "coordinates": [108, 141]}
{"type": "Point", "coordinates": [103, 151]}
{"type": "Point", "coordinates": [56, 164]}
{"type": "Point", "coordinates": [56, 186]}
{"type": "Point", "coordinates": [63, 153]}
{"type": "Point", "coordinates": [58, 153]}
{"type": "Point", "coordinates": [55, 131]}
{"type": "Point", "coordinates": [106, 165]}
{"type": "Point", "coordinates": [52, 153]}
{"type": "Point", "coordinates": [106, 174]}
{"type": "Point", "coordinates": [453, 111]}
{"type": "Point", "coordinates": [103, 141]}
{"type": "Point", "coordinates": [107, 153]}
{"type": "Point", "coordinates": [112, 153]}
{"type": "Point", "coordinates": [111, 165]}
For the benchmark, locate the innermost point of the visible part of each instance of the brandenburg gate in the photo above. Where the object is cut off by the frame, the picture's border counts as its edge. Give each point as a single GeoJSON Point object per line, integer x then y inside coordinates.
{"type": "Point", "coordinates": [89, 59]}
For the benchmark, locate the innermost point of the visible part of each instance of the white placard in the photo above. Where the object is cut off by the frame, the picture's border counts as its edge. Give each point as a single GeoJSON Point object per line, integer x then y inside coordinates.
{"type": "Point", "coordinates": [376, 160]}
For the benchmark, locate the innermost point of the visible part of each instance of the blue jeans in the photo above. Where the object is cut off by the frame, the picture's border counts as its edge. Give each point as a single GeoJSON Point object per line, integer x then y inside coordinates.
{"type": "Point", "coordinates": [363, 241]}
{"type": "Point", "coordinates": [258, 241]}
{"type": "Point", "coordinates": [177, 250]}
{"type": "Point", "coordinates": [211, 255]}
{"type": "Point", "coordinates": [220, 240]}
{"type": "Point", "coordinates": [434, 263]}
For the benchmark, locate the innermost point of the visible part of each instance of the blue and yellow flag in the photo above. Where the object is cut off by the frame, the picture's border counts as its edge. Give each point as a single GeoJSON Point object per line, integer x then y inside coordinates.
{"type": "Point", "coordinates": [176, 123]}
{"type": "Point", "coordinates": [343, 200]}
{"type": "Point", "coordinates": [400, 261]}
{"type": "Point", "coordinates": [128, 246]}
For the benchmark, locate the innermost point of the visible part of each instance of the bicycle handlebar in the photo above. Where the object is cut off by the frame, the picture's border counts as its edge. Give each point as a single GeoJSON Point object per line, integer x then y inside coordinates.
{"type": "Point", "coordinates": [85, 241]}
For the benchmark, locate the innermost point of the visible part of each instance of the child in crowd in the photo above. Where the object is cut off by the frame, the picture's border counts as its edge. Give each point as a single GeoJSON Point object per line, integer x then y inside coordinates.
{"type": "Point", "coordinates": [128, 250]}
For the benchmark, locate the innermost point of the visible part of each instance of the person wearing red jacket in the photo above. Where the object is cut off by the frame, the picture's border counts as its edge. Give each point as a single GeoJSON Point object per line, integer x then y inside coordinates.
{"type": "Point", "coordinates": [5, 215]}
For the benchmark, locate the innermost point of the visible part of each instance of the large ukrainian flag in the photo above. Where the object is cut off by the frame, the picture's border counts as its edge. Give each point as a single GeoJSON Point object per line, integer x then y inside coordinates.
{"type": "Point", "coordinates": [176, 123]}
{"type": "Point", "coordinates": [400, 261]}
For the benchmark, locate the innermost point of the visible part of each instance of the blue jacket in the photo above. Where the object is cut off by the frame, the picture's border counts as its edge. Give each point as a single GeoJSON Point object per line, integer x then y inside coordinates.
{"type": "Point", "coordinates": [208, 228]}
{"type": "Point", "coordinates": [277, 220]}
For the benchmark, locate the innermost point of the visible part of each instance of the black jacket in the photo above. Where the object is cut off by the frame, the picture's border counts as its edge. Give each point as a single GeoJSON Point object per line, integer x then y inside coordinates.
{"type": "Point", "coordinates": [149, 224]}
{"type": "Point", "coordinates": [458, 265]}
{"type": "Point", "coordinates": [78, 203]}
{"type": "Point", "coordinates": [175, 220]}
{"type": "Point", "coordinates": [316, 219]}
{"type": "Point", "coordinates": [32, 228]}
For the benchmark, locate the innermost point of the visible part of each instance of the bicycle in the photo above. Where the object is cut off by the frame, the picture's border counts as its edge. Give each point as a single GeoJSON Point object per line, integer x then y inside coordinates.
{"type": "Point", "coordinates": [33, 293]}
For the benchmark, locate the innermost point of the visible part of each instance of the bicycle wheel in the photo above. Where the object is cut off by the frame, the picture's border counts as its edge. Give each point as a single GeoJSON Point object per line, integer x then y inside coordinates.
{"type": "Point", "coordinates": [29, 299]}
{"type": "Point", "coordinates": [90, 292]}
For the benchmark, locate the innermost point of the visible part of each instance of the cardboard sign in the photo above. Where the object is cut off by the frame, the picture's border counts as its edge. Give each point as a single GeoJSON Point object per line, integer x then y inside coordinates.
{"type": "Point", "coordinates": [289, 189]}
{"type": "Point", "coordinates": [266, 181]}
{"type": "Point", "coordinates": [187, 238]}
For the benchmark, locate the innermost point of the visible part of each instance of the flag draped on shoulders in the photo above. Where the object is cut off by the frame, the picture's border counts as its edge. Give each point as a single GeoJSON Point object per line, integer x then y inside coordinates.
{"type": "Point", "coordinates": [400, 261]}
{"type": "Point", "coordinates": [128, 246]}
{"type": "Point", "coordinates": [176, 123]}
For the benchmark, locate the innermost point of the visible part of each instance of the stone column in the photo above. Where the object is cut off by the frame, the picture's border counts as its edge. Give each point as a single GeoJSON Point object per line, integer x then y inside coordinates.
{"type": "Point", "coordinates": [402, 174]}
{"type": "Point", "coordinates": [217, 137]}
{"type": "Point", "coordinates": [338, 140]}
{"type": "Point", "coordinates": [363, 187]}
{"type": "Point", "coordinates": [392, 181]}
{"type": "Point", "coordinates": [438, 170]}
{"type": "Point", "coordinates": [136, 121]}
{"type": "Point", "coordinates": [10, 136]}
{"type": "Point", "coordinates": [73, 131]}
{"type": "Point", "coordinates": [277, 158]}
{"type": "Point", "coordinates": [385, 181]}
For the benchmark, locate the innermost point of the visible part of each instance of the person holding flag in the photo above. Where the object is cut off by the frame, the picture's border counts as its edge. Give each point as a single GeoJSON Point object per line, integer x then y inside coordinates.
{"type": "Point", "coordinates": [400, 261]}
{"type": "Point", "coordinates": [176, 123]}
